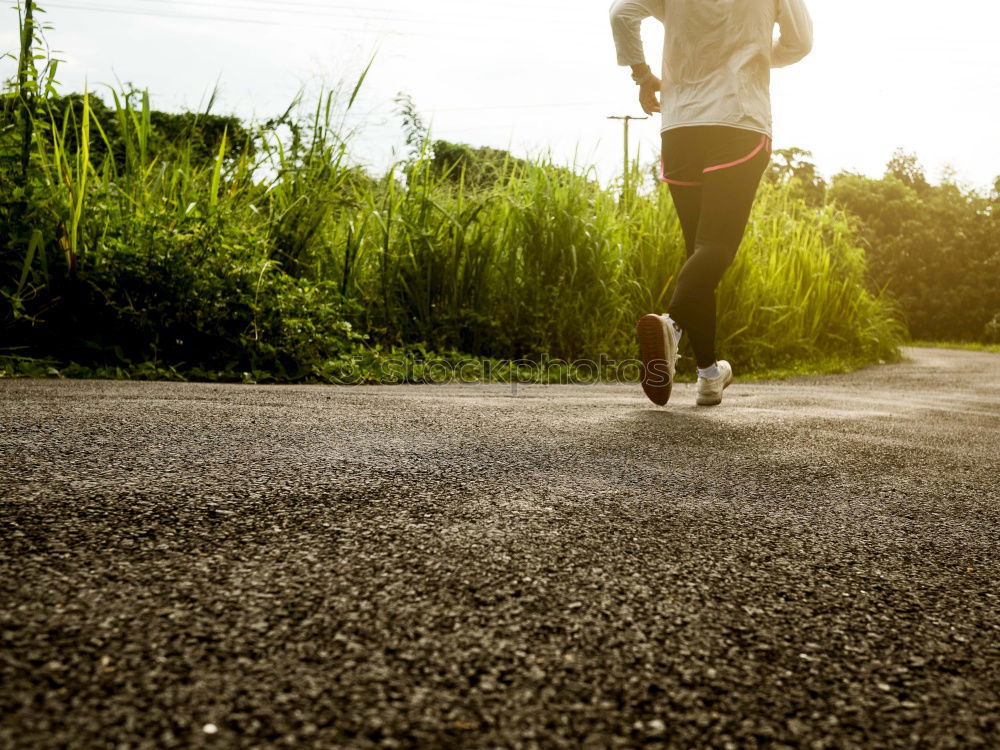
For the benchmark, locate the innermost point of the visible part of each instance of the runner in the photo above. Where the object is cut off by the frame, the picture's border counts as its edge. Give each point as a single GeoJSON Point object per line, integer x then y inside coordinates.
{"type": "Point", "coordinates": [716, 143]}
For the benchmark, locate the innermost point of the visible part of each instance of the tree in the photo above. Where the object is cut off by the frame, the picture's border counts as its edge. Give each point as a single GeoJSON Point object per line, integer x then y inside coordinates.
{"type": "Point", "coordinates": [792, 166]}
{"type": "Point", "coordinates": [932, 247]}
{"type": "Point", "coordinates": [198, 133]}
{"type": "Point", "coordinates": [907, 169]}
{"type": "Point", "coordinates": [413, 125]}
{"type": "Point", "coordinates": [477, 168]}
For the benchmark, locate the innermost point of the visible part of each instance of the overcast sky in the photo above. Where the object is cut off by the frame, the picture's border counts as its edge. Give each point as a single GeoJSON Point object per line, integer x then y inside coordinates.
{"type": "Point", "coordinates": [538, 75]}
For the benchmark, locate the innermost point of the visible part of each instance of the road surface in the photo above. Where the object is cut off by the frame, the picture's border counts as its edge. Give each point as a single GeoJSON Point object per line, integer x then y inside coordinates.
{"type": "Point", "coordinates": [812, 564]}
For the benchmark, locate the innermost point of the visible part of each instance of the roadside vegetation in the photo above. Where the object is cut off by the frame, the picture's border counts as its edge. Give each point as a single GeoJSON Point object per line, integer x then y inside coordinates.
{"type": "Point", "coordinates": [972, 346]}
{"type": "Point", "coordinates": [934, 248]}
{"type": "Point", "coordinates": [138, 243]}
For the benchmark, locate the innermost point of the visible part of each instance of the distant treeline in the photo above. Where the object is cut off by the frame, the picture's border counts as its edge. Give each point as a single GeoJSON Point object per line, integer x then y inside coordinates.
{"type": "Point", "coordinates": [935, 248]}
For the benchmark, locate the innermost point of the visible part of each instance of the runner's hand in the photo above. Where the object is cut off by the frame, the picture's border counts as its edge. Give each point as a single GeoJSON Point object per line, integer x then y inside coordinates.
{"type": "Point", "coordinates": [649, 94]}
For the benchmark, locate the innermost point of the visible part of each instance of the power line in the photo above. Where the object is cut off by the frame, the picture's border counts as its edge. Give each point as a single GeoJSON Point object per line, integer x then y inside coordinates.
{"type": "Point", "coordinates": [545, 105]}
{"type": "Point", "coordinates": [432, 111]}
{"type": "Point", "coordinates": [328, 6]}
{"type": "Point", "coordinates": [200, 17]}
{"type": "Point", "coordinates": [257, 21]}
{"type": "Point", "coordinates": [354, 14]}
{"type": "Point", "coordinates": [316, 9]}
{"type": "Point", "coordinates": [364, 14]}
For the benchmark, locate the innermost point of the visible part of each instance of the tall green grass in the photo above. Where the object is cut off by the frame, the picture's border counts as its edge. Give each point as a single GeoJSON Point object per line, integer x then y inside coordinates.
{"type": "Point", "coordinates": [549, 261]}
{"type": "Point", "coordinates": [283, 255]}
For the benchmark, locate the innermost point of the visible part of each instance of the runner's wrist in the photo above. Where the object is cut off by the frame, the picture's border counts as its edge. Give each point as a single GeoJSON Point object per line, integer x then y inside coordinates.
{"type": "Point", "coordinates": [641, 73]}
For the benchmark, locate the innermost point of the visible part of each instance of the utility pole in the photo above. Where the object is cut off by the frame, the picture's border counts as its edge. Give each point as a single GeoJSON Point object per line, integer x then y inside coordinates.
{"type": "Point", "coordinates": [626, 119]}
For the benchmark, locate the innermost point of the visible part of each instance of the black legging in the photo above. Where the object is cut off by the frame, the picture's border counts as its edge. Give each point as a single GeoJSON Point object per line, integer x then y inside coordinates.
{"type": "Point", "coordinates": [713, 172]}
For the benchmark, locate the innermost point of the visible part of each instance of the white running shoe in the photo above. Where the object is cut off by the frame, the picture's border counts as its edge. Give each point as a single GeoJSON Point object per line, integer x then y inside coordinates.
{"type": "Point", "coordinates": [658, 348]}
{"type": "Point", "coordinates": [710, 389]}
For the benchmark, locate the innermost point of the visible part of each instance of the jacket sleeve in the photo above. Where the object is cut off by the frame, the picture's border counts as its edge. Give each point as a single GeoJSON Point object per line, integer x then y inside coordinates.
{"type": "Point", "coordinates": [626, 18]}
{"type": "Point", "coordinates": [796, 36]}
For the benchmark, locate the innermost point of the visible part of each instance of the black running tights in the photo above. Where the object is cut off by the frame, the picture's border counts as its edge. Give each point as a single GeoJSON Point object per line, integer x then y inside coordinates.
{"type": "Point", "coordinates": [713, 172]}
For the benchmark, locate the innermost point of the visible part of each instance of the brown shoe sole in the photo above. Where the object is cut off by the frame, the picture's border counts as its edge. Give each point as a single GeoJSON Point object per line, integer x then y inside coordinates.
{"type": "Point", "coordinates": [656, 380]}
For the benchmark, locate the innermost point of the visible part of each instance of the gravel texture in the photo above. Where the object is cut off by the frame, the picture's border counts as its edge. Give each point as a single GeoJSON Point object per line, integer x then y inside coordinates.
{"type": "Point", "coordinates": [812, 564]}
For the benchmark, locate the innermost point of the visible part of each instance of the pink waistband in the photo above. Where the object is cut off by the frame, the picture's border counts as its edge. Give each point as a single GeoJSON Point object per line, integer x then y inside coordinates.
{"type": "Point", "coordinates": [748, 157]}
{"type": "Point", "coordinates": [663, 178]}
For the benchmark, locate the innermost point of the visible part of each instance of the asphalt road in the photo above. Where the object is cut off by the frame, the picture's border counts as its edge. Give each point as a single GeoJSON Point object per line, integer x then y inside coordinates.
{"type": "Point", "coordinates": [812, 564]}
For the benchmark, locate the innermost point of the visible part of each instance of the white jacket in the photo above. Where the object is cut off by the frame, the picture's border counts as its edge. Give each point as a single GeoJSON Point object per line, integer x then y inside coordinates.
{"type": "Point", "coordinates": [717, 55]}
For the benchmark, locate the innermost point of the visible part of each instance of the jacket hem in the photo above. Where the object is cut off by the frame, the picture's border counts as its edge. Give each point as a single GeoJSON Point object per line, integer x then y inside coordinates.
{"type": "Point", "coordinates": [753, 128]}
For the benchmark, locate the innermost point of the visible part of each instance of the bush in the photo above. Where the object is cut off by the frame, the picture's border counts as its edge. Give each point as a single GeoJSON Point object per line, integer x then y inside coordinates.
{"type": "Point", "coordinates": [934, 248]}
{"type": "Point", "coordinates": [202, 296]}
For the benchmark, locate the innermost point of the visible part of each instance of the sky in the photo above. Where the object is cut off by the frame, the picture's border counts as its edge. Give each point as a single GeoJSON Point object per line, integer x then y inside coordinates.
{"type": "Point", "coordinates": [539, 76]}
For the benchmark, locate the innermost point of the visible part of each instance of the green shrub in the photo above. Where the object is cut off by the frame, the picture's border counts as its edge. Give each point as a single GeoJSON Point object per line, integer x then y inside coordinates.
{"type": "Point", "coordinates": [934, 248]}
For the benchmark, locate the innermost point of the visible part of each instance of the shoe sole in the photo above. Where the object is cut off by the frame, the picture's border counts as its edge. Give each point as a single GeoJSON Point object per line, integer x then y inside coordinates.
{"type": "Point", "coordinates": [657, 380]}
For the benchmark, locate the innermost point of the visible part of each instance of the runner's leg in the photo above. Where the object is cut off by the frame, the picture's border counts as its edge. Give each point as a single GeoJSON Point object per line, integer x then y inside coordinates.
{"type": "Point", "coordinates": [726, 200]}
{"type": "Point", "coordinates": [682, 162]}
{"type": "Point", "coordinates": [687, 203]}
